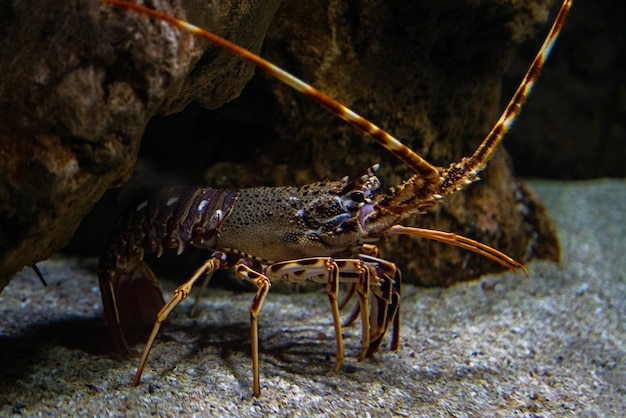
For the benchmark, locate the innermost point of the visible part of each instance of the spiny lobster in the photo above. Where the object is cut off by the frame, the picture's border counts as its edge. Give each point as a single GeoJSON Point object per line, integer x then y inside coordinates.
{"type": "Point", "coordinates": [323, 231]}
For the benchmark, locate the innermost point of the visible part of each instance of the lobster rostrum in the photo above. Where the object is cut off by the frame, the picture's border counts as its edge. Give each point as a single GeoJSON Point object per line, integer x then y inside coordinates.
{"type": "Point", "coordinates": [323, 231]}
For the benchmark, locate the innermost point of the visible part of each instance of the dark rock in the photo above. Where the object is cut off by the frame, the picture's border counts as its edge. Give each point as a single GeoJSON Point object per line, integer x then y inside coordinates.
{"type": "Point", "coordinates": [80, 80]}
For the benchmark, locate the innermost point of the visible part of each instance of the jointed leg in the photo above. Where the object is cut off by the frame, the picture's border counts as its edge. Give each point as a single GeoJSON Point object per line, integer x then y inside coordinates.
{"type": "Point", "coordinates": [319, 268]}
{"type": "Point", "coordinates": [368, 250]}
{"type": "Point", "coordinates": [387, 299]}
{"type": "Point", "coordinates": [263, 286]}
{"type": "Point", "coordinates": [385, 302]}
{"type": "Point", "coordinates": [180, 294]}
{"type": "Point", "coordinates": [363, 293]}
{"type": "Point", "coordinates": [332, 290]}
{"type": "Point", "coordinates": [376, 283]}
{"type": "Point", "coordinates": [203, 285]}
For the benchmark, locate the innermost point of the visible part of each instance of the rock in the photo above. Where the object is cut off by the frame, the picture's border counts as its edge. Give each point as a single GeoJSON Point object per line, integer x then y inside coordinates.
{"type": "Point", "coordinates": [80, 82]}
{"type": "Point", "coordinates": [87, 78]}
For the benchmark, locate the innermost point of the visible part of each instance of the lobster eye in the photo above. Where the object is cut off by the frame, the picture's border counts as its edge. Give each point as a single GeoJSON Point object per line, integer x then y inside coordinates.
{"type": "Point", "coordinates": [357, 197]}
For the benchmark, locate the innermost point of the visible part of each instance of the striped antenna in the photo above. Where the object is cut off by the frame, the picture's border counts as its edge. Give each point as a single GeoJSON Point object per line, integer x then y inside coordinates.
{"type": "Point", "coordinates": [416, 163]}
{"type": "Point", "coordinates": [455, 178]}
{"type": "Point", "coordinates": [477, 161]}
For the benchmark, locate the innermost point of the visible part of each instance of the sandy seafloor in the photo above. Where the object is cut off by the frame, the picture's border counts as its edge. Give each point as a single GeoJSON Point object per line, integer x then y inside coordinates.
{"type": "Point", "coordinates": [554, 345]}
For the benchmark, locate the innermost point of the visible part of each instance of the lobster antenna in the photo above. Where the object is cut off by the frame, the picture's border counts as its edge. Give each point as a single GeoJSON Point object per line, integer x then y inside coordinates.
{"type": "Point", "coordinates": [416, 163]}
{"type": "Point", "coordinates": [477, 161]}
{"type": "Point", "coordinates": [459, 174]}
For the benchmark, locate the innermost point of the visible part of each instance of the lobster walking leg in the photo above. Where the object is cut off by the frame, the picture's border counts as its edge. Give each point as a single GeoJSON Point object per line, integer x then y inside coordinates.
{"type": "Point", "coordinates": [199, 293]}
{"type": "Point", "coordinates": [366, 279]}
{"type": "Point", "coordinates": [366, 250]}
{"type": "Point", "coordinates": [262, 283]}
{"type": "Point", "coordinates": [363, 294]}
{"type": "Point", "coordinates": [371, 276]}
{"type": "Point", "coordinates": [218, 260]}
{"type": "Point", "coordinates": [321, 269]}
{"type": "Point", "coordinates": [385, 304]}
{"type": "Point", "coordinates": [385, 297]}
{"type": "Point", "coordinates": [332, 290]}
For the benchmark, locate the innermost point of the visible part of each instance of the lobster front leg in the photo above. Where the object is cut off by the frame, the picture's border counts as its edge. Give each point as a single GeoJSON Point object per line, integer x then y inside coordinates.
{"type": "Point", "coordinates": [218, 260]}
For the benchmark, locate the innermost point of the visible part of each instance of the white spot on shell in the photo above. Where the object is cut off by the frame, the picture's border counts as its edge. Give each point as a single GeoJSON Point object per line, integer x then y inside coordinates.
{"type": "Point", "coordinates": [203, 204]}
{"type": "Point", "coordinates": [141, 205]}
{"type": "Point", "coordinates": [171, 201]}
{"type": "Point", "coordinates": [216, 219]}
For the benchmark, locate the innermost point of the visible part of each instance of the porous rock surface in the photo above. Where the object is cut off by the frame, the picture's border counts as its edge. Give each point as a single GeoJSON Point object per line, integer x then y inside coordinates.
{"type": "Point", "coordinates": [81, 80]}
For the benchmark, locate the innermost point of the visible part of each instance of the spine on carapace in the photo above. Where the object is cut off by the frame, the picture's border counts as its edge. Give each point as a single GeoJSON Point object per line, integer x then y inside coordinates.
{"type": "Point", "coordinates": [173, 219]}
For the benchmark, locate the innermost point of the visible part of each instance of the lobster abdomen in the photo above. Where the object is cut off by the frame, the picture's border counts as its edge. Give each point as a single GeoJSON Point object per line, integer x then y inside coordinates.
{"type": "Point", "coordinates": [172, 219]}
